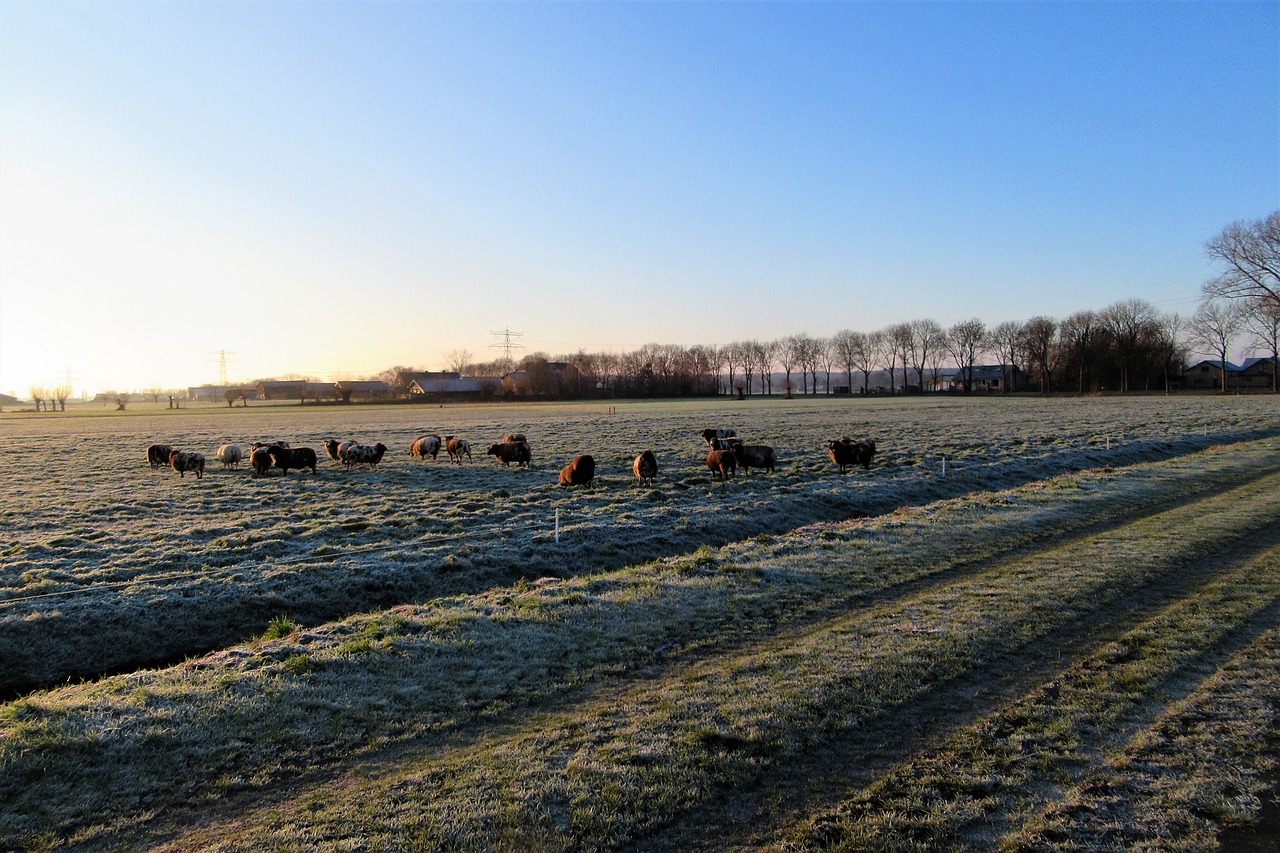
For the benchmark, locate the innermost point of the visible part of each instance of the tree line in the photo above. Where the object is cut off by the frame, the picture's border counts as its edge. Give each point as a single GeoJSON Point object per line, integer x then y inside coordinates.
{"type": "Point", "coordinates": [1127, 346]}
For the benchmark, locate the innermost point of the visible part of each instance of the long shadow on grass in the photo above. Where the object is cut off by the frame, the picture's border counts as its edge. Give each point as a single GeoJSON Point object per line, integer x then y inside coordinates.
{"type": "Point", "coordinates": [95, 632]}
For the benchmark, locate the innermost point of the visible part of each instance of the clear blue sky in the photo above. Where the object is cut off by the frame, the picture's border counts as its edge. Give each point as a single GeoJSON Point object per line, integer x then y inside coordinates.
{"type": "Point", "coordinates": [333, 188]}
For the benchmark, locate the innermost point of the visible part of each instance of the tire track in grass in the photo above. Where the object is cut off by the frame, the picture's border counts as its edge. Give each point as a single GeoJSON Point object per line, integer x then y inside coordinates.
{"type": "Point", "coordinates": [984, 786]}
{"type": "Point", "coordinates": [640, 763]}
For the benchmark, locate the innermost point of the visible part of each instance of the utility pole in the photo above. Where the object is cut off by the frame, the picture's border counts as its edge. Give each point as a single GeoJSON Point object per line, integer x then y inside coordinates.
{"type": "Point", "coordinates": [507, 345]}
{"type": "Point", "coordinates": [223, 380]}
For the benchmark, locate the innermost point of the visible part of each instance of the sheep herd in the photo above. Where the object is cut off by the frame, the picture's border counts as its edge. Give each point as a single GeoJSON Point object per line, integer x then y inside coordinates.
{"type": "Point", "coordinates": [725, 455]}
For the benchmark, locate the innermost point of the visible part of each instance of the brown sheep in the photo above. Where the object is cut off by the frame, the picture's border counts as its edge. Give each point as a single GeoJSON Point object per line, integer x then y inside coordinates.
{"type": "Point", "coordinates": [846, 452]}
{"type": "Point", "coordinates": [753, 455]}
{"type": "Point", "coordinates": [580, 471]}
{"type": "Point", "coordinates": [507, 452]}
{"type": "Point", "coordinates": [723, 462]}
{"type": "Point", "coordinates": [645, 467]}
{"type": "Point", "coordinates": [514, 436]}
{"type": "Point", "coordinates": [457, 448]}
{"type": "Point", "coordinates": [260, 459]}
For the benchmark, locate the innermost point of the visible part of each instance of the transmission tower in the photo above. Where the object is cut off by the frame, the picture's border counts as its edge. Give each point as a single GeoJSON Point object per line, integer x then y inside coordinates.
{"type": "Point", "coordinates": [506, 344]}
{"type": "Point", "coordinates": [222, 355]}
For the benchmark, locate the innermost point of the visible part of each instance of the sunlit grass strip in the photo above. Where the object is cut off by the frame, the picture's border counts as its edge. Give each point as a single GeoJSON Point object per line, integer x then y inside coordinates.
{"type": "Point", "coordinates": [1051, 749]}
{"type": "Point", "coordinates": [618, 767]}
{"type": "Point", "coordinates": [1199, 768]}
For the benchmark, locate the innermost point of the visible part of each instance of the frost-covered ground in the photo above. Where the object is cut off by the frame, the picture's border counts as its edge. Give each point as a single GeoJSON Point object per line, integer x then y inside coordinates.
{"type": "Point", "coordinates": [107, 564]}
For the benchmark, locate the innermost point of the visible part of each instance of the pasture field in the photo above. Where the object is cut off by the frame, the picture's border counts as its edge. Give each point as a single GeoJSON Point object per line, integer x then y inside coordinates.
{"type": "Point", "coordinates": [1069, 638]}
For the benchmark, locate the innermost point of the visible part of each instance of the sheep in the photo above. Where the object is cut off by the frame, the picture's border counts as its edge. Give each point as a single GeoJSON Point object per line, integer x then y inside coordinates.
{"type": "Point", "coordinates": [580, 471]}
{"type": "Point", "coordinates": [182, 462]}
{"type": "Point", "coordinates": [724, 462]}
{"type": "Point", "coordinates": [752, 455]}
{"type": "Point", "coordinates": [457, 448]}
{"type": "Point", "coordinates": [507, 452]}
{"type": "Point", "coordinates": [426, 445]}
{"type": "Point", "coordinates": [362, 454]}
{"type": "Point", "coordinates": [845, 452]}
{"type": "Point", "coordinates": [158, 455]}
{"type": "Point", "coordinates": [229, 455]}
{"type": "Point", "coordinates": [645, 467]}
{"type": "Point", "coordinates": [285, 458]}
{"type": "Point", "coordinates": [710, 433]}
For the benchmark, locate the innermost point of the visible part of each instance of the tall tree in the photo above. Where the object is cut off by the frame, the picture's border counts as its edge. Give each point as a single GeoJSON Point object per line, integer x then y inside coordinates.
{"type": "Point", "coordinates": [966, 340]}
{"type": "Point", "coordinates": [1213, 327]}
{"type": "Point", "coordinates": [885, 353]}
{"type": "Point", "coordinates": [1080, 336]}
{"type": "Point", "coordinates": [1249, 253]}
{"type": "Point", "coordinates": [922, 338]}
{"type": "Point", "coordinates": [1128, 322]}
{"type": "Point", "coordinates": [1007, 341]}
{"type": "Point", "coordinates": [1040, 333]}
{"type": "Point", "coordinates": [1262, 320]}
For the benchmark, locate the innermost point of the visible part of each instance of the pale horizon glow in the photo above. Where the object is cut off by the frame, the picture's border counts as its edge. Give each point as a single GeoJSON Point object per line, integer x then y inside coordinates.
{"type": "Point", "coordinates": [332, 189]}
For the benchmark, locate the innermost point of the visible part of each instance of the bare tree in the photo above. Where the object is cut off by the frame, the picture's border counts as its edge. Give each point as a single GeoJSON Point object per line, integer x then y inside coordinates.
{"type": "Point", "coordinates": [1166, 345]}
{"type": "Point", "coordinates": [845, 347]}
{"type": "Point", "coordinates": [827, 359]}
{"type": "Point", "coordinates": [1250, 255]}
{"type": "Point", "coordinates": [965, 342]}
{"type": "Point", "coordinates": [1007, 340]}
{"type": "Point", "coordinates": [790, 350]}
{"type": "Point", "coordinates": [1040, 335]}
{"type": "Point", "coordinates": [864, 356]}
{"type": "Point", "coordinates": [749, 354]}
{"type": "Point", "coordinates": [900, 340]}
{"type": "Point", "coordinates": [1262, 321]}
{"type": "Point", "coordinates": [885, 353]}
{"type": "Point", "coordinates": [61, 394]}
{"type": "Point", "coordinates": [732, 354]}
{"type": "Point", "coordinates": [457, 360]}
{"type": "Point", "coordinates": [1128, 322]}
{"type": "Point", "coordinates": [923, 337]}
{"type": "Point", "coordinates": [1213, 327]}
{"type": "Point", "coordinates": [1080, 337]}
{"type": "Point", "coordinates": [40, 396]}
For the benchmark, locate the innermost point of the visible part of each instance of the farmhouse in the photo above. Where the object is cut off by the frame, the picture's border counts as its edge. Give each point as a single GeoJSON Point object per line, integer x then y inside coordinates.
{"type": "Point", "coordinates": [444, 384]}
{"type": "Point", "coordinates": [987, 378]}
{"type": "Point", "coordinates": [1208, 374]}
{"type": "Point", "coordinates": [282, 389]}
{"type": "Point", "coordinates": [362, 390]}
{"type": "Point", "coordinates": [1258, 374]}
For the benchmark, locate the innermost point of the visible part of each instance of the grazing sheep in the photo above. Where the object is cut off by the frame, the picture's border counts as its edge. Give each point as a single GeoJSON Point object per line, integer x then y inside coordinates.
{"type": "Point", "coordinates": [229, 455]}
{"type": "Point", "coordinates": [723, 462]}
{"type": "Point", "coordinates": [846, 452]}
{"type": "Point", "coordinates": [158, 455]}
{"type": "Point", "coordinates": [580, 471]}
{"type": "Point", "coordinates": [182, 462]}
{"type": "Point", "coordinates": [515, 436]}
{"type": "Point", "coordinates": [645, 467]}
{"type": "Point", "coordinates": [260, 459]}
{"type": "Point", "coordinates": [426, 445]}
{"type": "Point", "coordinates": [457, 448]}
{"type": "Point", "coordinates": [298, 458]}
{"type": "Point", "coordinates": [752, 455]}
{"type": "Point", "coordinates": [709, 434]}
{"type": "Point", "coordinates": [507, 452]}
{"type": "Point", "coordinates": [361, 454]}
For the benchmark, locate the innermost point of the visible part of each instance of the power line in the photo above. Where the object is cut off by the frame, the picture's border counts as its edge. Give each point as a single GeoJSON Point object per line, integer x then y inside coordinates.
{"type": "Point", "coordinates": [222, 354]}
{"type": "Point", "coordinates": [507, 345]}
